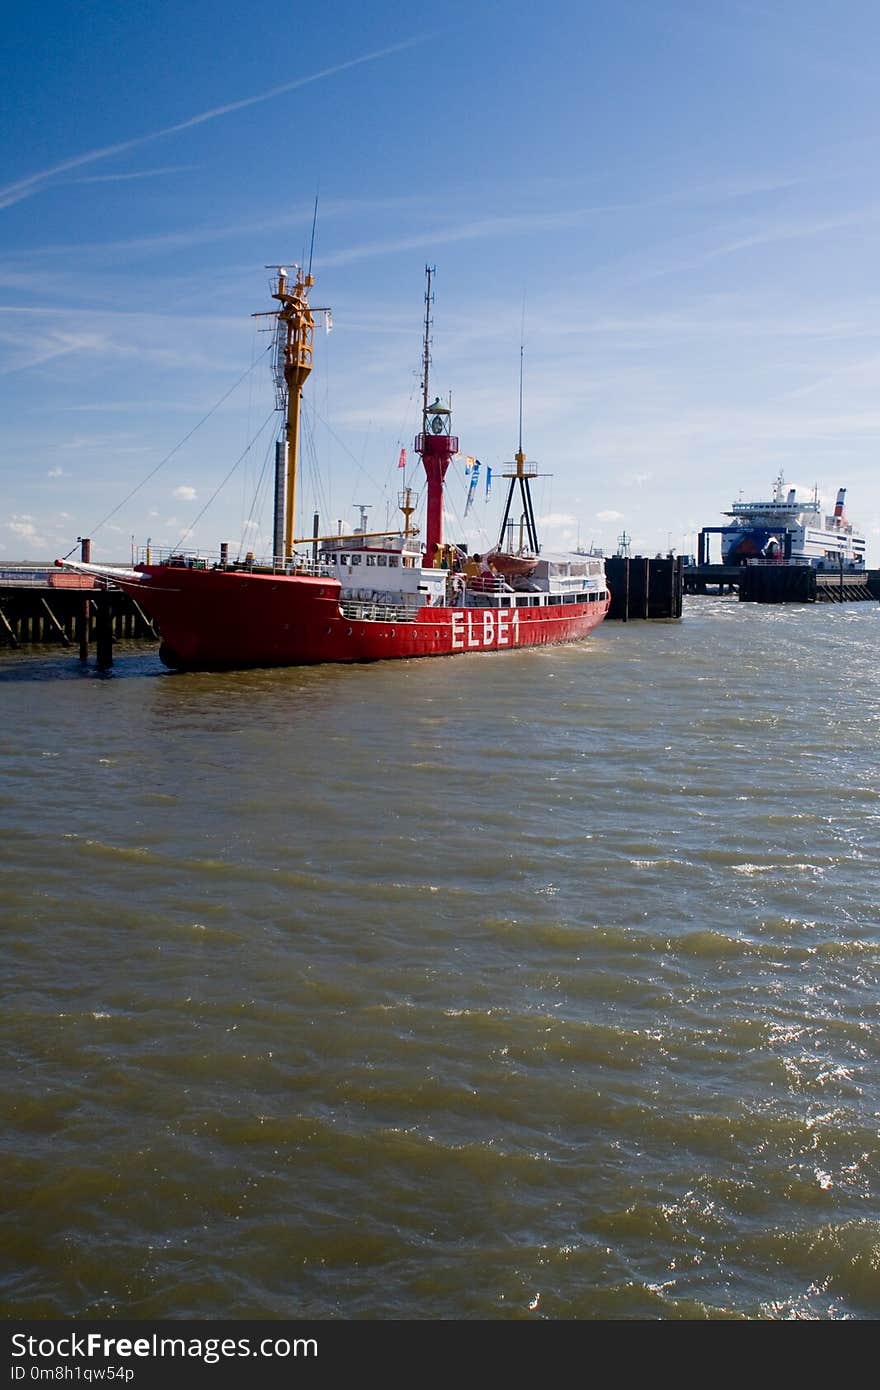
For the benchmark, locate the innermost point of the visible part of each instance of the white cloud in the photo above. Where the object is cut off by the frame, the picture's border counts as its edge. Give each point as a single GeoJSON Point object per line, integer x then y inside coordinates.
{"type": "Point", "coordinates": [23, 527]}
{"type": "Point", "coordinates": [186, 494]}
{"type": "Point", "coordinates": [610, 516]}
{"type": "Point", "coordinates": [55, 473]}
{"type": "Point", "coordinates": [139, 174]}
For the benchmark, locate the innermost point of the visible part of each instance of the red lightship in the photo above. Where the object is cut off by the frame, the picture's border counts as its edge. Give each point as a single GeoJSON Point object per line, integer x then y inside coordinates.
{"type": "Point", "coordinates": [367, 596]}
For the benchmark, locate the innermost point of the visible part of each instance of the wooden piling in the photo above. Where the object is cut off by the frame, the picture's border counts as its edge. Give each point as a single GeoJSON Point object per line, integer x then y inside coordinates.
{"type": "Point", "coordinates": [104, 632]}
{"type": "Point", "coordinates": [13, 640]}
{"type": "Point", "coordinates": [55, 623]}
{"type": "Point", "coordinates": [34, 609]}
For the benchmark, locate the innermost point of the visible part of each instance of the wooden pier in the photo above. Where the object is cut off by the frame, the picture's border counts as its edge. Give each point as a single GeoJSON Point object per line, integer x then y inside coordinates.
{"type": "Point", "coordinates": [69, 610]}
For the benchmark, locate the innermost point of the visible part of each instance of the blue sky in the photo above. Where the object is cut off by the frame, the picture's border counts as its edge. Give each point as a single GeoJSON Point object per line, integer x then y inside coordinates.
{"type": "Point", "coordinates": [672, 201]}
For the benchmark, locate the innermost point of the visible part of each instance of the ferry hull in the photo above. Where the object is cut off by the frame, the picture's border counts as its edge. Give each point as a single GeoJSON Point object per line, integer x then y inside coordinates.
{"type": "Point", "coordinates": [739, 546]}
{"type": "Point", "coordinates": [214, 619]}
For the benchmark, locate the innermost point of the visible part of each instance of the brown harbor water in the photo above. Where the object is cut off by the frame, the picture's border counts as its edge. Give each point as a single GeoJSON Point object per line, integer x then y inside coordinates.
{"type": "Point", "coordinates": [533, 985]}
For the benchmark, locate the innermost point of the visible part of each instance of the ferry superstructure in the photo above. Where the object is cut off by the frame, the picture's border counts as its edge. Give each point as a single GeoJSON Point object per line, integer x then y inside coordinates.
{"type": "Point", "coordinates": [788, 531]}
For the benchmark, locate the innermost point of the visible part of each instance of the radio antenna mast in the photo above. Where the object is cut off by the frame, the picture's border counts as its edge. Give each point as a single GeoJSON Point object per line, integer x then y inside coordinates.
{"type": "Point", "coordinates": [312, 243]}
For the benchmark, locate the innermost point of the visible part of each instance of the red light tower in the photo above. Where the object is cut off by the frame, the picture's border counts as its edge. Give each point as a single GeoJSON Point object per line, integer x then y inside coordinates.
{"type": "Point", "coordinates": [436, 444]}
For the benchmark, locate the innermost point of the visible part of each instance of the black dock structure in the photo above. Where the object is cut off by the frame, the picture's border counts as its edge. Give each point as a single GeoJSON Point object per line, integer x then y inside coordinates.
{"type": "Point", "coordinates": [804, 584]}
{"type": "Point", "coordinates": [781, 583]}
{"type": "Point", "coordinates": [42, 606]}
{"type": "Point", "coordinates": [643, 587]}
{"type": "Point", "coordinates": [783, 578]}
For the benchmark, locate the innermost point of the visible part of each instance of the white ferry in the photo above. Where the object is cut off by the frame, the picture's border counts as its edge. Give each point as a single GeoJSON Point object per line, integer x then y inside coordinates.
{"type": "Point", "coordinates": [786, 531]}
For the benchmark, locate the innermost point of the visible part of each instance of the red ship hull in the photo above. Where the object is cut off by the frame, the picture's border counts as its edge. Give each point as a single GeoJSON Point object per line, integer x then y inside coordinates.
{"type": "Point", "coordinates": [229, 618]}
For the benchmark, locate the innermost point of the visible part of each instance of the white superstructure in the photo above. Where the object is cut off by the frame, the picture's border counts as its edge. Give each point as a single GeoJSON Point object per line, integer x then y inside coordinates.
{"type": "Point", "coordinates": [785, 530]}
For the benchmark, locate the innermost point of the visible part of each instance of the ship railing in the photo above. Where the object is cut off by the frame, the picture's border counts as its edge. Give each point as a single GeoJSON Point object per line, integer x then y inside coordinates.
{"type": "Point", "coordinates": [765, 560]}
{"type": "Point", "coordinates": [316, 569]}
{"type": "Point", "coordinates": [488, 584]}
{"type": "Point", "coordinates": [202, 560]}
{"type": "Point", "coordinates": [376, 612]}
{"type": "Point", "coordinates": [761, 508]}
{"type": "Point", "coordinates": [185, 559]}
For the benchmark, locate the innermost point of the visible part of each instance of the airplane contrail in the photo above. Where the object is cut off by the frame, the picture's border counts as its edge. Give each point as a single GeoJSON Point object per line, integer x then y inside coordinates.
{"type": "Point", "coordinates": [23, 188]}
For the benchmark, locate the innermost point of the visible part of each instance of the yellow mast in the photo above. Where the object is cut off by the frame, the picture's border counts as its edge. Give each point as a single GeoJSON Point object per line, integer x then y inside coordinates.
{"type": "Point", "coordinates": [296, 332]}
{"type": "Point", "coordinates": [406, 506]}
{"type": "Point", "coordinates": [297, 318]}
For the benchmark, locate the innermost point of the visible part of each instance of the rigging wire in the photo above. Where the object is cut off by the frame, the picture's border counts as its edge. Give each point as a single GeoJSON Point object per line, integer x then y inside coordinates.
{"type": "Point", "coordinates": [176, 450]}
{"type": "Point", "coordinates": [220, 486]}
{"type": "Point", "coordinates": [258, 499]}
{"type": "Point", "coordinates": [342, 444]}
{"type": "Point", "coordinates": [314, 223]}
{"type": "Point", "coordinates": [250, 404]}
{"type": "Point", "coordinates": [320, 497]}
{"type": "Point", "coordinates": [522, 341]}
{"type": "Point", "coordinates": [320, 478]}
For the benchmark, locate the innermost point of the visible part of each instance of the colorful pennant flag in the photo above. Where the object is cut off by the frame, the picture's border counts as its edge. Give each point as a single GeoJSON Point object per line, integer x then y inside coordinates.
{"type": "Point", "coordinates": [475, 473]}
{"type": "Point", "coordinates": [468, 464]}
{"type": "Point", "coordinates": [401, 462]}
{"type": "Point", "coordinates": [488, 482]}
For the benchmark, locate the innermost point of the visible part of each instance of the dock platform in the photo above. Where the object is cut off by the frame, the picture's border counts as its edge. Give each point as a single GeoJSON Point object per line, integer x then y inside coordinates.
{"type": "Point", "coordinates": [67, 609]}
{"type": "Point", "coordinates": [783, 583]}
{"type": "Point", "coordinates": [643, 587]}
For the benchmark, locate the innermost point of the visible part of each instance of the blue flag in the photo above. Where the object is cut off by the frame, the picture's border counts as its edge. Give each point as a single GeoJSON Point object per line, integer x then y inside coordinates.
{"type": "Point", "coordinates": [488, 482]}
{"type": "Point", "coordinates": [475, 473]}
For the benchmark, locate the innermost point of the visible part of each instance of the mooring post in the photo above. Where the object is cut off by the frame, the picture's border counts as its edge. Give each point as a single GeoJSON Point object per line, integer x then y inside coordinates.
{"type": "Point", "coordinates": [104, 633]}
{"type": "Point", "coordinates": [83, 617]}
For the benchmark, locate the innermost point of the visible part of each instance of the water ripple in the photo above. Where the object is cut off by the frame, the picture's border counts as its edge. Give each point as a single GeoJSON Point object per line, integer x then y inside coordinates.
{"type": "Point", "coordinates": [532, 988]}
